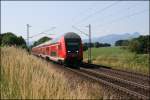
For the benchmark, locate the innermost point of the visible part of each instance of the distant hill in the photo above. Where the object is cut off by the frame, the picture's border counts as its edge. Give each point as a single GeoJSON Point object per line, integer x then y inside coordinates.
{"type": "Point", "coordinates": [112, 38]}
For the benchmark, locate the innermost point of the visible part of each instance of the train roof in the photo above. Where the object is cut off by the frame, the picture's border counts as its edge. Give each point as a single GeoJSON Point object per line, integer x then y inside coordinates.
{"type": "Point", "coordinates": [45, 43]}
{"type": "Point", "coordinates": [68, 35]}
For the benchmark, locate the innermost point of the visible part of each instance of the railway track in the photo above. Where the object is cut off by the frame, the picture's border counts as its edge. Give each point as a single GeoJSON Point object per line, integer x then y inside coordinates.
{"type": "Point", "coordinates": [133, 84]}
{"type": "Point", "coordinates": [118, 80]}
{"type": "Point", "coordinates": [130, 88]}
{"type": "Point", "coordinates": [126, 75]}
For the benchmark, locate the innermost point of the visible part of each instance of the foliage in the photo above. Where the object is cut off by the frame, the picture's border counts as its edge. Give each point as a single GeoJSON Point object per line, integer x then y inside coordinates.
{"type": "Point", "coordinates": [85, 46]}
{"type": "Point", "coordinates": [121, 43]}
{"type": "Point", "coordinates": [140, 44]}
{"type": "Point", "coordinates": [10, 39]}
{"type": "Point", "coordinates": [96, 45]}
{"type": "Point", "coordinates": [137, 45]}
{"type": "Point", "coordinates": [41, 40]}
{"type": "Point", "coordinates": [20, 41]}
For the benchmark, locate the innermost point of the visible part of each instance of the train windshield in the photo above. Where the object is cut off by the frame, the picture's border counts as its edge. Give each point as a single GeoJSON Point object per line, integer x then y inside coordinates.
{"type": "Point", "coordinates": [73, 46]}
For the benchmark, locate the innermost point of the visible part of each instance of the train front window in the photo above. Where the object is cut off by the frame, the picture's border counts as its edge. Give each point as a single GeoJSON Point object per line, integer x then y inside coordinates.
{"type": "Point", "coordinates": [73, 46]}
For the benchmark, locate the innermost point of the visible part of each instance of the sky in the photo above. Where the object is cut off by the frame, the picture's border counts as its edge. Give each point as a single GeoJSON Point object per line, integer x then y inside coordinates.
{"type": "Point", "coordinates": [105, 17]}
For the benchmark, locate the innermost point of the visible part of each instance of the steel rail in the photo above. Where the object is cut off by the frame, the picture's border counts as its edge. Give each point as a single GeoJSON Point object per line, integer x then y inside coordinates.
{"type": "Point", "coordinates": [117, 78]}
{"type": "Point", "coordinates": [111, 84]}
{"type": "Point", "coordinates": [131, 74]}
{"type": "Point", "coordinates": [126, 76]}
{"type": "Point", "coordinates": [129, 84]}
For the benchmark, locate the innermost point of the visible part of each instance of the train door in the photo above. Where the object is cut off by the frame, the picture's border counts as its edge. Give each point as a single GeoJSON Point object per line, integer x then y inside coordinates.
{"type": "Point", "coordinates": [53, 51]}
{"type": "Point", "coordinates": [60, 50]}
{"type": "Point", "coordinates": [57, 51]}
{"type": "Point", "coordinates": [47, 50]}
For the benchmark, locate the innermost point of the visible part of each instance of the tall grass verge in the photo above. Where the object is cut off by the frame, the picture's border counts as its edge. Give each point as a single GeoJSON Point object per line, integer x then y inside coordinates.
{"type": "Point", "coordinates": [24, 76]}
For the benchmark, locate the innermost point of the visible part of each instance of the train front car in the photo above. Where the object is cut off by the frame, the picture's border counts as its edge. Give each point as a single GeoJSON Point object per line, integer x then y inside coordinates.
{"type": "Point", "coordinates": [74, 50]}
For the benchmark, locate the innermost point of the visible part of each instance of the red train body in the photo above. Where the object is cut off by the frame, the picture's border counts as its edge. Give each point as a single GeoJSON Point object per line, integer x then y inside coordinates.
{"type": "Point", "coordinates": [67, 49]}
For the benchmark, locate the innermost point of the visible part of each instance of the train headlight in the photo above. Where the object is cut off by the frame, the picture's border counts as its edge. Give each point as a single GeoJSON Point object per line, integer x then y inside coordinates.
{"type": "Point", "coordinates": [69, 51]}
{"type": "Point", "coordinates": [77, 51]}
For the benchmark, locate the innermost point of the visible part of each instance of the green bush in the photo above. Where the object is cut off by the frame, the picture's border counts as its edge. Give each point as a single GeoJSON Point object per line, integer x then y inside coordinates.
{"type": "Point", "coordinates": [10, 39]}
{"type": "Point", "coordinates": [140, 44]}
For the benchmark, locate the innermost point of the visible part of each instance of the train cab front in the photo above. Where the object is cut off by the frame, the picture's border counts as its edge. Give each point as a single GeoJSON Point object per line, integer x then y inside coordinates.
{"type": "Point", "coordinates": [74, 51]}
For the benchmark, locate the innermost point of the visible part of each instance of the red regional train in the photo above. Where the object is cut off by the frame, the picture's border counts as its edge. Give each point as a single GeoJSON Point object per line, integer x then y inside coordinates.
{"type": "Point", "coordinates": [67, 49]}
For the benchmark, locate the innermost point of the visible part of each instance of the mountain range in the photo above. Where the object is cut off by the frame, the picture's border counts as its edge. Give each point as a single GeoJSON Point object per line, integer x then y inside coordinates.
{"type": "Point", "coordinates": [112, 38]}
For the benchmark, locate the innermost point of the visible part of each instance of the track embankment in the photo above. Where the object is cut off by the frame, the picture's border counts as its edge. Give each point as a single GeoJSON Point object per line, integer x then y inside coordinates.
{"type": "Point", "coordinates": [133, 84]}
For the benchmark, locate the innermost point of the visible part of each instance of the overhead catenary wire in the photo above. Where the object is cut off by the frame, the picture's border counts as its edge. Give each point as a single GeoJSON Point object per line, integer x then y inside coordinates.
{"type": "Point", "coordinates": [123, 17]}
{"type": "Point", "coordinates": [86, 10]}
{"type": "Point", "coordinates": [102, 19]}
{"type": "Point", "coordinates": [98, 12]}
{"type": "Point", "coordinates": [109, 15]}
{"type": "Point", "coordinates": [76, 16]}
{"type": "Point", "coordinates": [44, 32]}
{"type": "Point", "coordinates": [109, 6]}
{"type": "Point", "coordinates": [80, 31]}
{"type": "Point", "coordinates": [83, 12]}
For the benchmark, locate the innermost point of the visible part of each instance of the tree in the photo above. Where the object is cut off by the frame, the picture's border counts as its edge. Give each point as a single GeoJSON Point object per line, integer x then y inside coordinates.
{"type": "Point", "coordinates": [121, 43]}
{"type": "Point", "coordinates": [134, 46]}
{"type": "Point", "coordinates": [0, 39]}
{"type": "Point", "coordinates": [20, 41]}
{"type": "Point", "coordinates": [106, 45]}
{"type": "Point", "coordinates": [85, 46]}
{"type": "Point", "coordinates": [41, 40]}
{"type": "Point", "coordinates": [140, 44]}
{"type": "Point", "coordinates": [125, 43]}
{"type": "Point", "coordinates": [97, 44]}
{"type": "Point", "coordinates": [11, 39]}
{"type": "Point", "coordinates": [91, 45]}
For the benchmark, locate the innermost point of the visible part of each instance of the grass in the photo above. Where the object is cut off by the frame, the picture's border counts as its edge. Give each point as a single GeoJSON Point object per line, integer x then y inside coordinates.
{"type": "Point", "coordinates": [119, 58]}
{"type": "Point", "coordinates": [24, 76]}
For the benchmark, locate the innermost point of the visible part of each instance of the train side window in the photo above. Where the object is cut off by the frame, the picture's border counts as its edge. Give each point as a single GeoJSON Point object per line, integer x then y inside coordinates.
{"type": "Point", "coordinates": [47, 49]}
{"type": "Point", "coordinates": [59, 47]}
{"type": "Point", "coordinates": [53, 53]}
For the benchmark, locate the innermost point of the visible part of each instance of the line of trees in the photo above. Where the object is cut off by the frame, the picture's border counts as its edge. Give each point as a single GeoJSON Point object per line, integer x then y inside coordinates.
{"type": "Point", "coordinates": [122, 43]}
{"type": "Point", "coordinates": [96, 45]}
{"type": "Point", "coordinates": [9, 39]}
{"type": "Point", "coordinates": [139, 45]}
